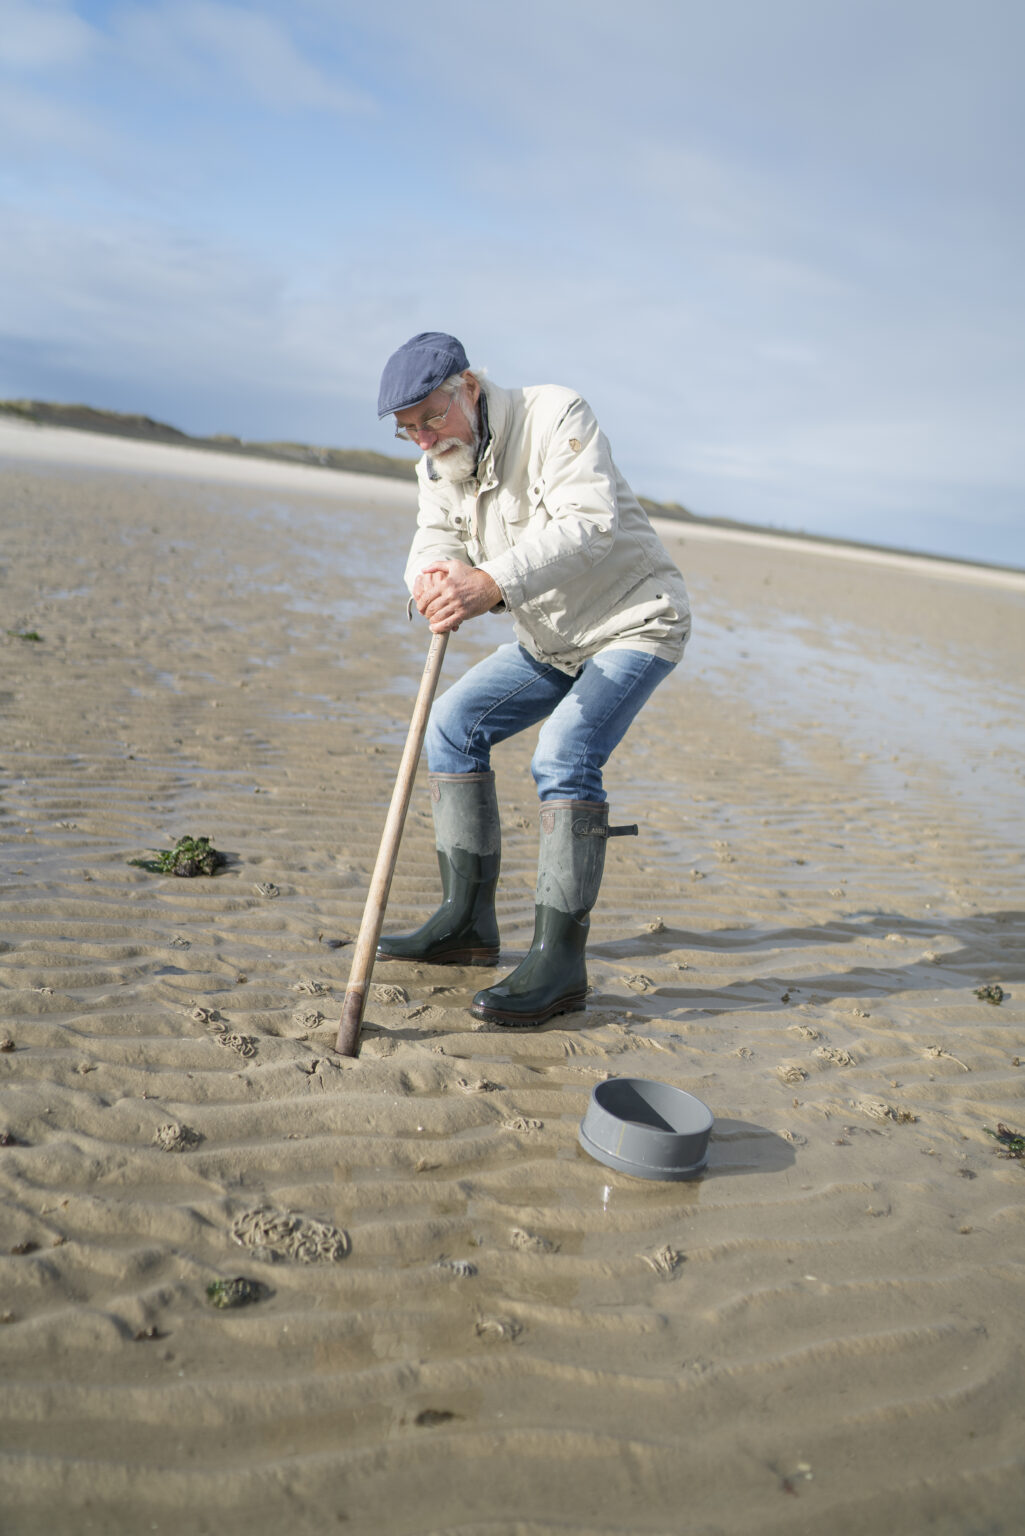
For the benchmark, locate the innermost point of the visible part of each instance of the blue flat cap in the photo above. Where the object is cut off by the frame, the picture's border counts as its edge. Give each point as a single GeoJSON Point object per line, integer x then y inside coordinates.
{"type": "Point", "coordinates": [416, 369]}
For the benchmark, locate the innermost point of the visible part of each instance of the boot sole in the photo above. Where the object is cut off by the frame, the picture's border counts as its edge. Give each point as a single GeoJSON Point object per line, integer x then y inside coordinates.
{"type": "Point", "coordinates": [452, 957]}
{"type": "Point", "coordinates": [512, 1020]}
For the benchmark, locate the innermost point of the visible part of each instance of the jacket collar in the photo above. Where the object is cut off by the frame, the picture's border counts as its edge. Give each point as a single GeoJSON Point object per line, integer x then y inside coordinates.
{"type": "Point", "coordinates": [484, 419]}
{"type": "Point", "coordinates": [495, 419]}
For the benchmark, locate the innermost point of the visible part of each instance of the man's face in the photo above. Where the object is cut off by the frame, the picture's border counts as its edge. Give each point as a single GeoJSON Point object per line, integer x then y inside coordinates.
{"type": "Point", "coordinates": [459, 428]}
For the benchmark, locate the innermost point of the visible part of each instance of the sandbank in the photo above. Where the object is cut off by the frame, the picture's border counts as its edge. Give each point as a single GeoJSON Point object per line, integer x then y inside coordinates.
{"type": "Point", "coordinates": [486, 1330]}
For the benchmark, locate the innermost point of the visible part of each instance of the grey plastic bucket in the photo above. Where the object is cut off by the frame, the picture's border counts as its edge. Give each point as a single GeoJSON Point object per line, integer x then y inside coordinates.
{"type": "Point", "coordinates": [647, 1129]}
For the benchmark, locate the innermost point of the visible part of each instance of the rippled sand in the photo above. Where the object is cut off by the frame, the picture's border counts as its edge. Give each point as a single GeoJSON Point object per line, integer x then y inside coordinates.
{"type": "Point", "coordinates": [464, 1324]}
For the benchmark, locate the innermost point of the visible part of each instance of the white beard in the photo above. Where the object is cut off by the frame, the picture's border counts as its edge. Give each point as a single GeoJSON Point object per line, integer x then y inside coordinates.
{"type": "Point", "coordinates": [459, 464]}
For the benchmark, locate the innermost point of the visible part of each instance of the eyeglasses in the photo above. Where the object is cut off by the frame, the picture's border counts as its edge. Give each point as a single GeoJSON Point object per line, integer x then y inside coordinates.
{"type": "Point", "coordinates": [432, 424]}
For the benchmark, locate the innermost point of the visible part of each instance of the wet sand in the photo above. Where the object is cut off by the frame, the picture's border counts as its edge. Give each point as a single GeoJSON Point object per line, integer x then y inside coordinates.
{"type": "Point", "coordinates": [463, 1323]}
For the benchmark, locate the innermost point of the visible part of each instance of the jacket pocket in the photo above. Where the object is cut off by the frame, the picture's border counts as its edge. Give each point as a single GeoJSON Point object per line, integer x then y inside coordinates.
{"type": "Point", "coordinates": [516, 512]}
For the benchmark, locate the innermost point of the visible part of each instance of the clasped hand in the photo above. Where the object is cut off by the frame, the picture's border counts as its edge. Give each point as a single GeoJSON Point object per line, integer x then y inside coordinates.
{"type": "Point", "coordinates": [447, 592]}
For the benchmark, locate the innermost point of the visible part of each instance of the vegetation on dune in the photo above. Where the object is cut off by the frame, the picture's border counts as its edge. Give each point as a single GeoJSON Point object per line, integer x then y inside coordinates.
{"type": "Point", "coordinates": [85, 418]}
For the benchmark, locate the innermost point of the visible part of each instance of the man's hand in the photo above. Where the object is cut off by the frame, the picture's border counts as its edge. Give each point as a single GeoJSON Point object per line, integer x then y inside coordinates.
{"type": "Point", "coordinates": [447, 592]}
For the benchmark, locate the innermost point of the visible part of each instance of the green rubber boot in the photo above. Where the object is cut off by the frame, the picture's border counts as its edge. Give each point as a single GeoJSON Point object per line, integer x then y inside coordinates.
{"type": "Point", "coordinates": [468, 835]}
{"type": "Point", "coordinates": [552, 978]}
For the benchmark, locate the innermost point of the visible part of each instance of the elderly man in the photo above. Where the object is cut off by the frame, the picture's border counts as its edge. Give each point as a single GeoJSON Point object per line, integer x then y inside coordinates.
{"type": "Point", "coordinates": [521, 508]}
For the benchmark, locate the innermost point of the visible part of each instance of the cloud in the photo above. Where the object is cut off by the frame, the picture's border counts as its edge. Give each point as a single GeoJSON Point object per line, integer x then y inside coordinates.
{"type": "Point", "coordinates": [43, 34]}
{"type": "Point", "coordinates": [35, 123]}
{"type": "Point", "coordinates": [776, 246]}
{"type": "Point", "coordinates": [198, 330]}
{"type": "Point", "coordinates": [210, 46]}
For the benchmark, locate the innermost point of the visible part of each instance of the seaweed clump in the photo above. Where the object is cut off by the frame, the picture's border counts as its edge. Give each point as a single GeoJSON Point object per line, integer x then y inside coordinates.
{"type": "Point", "coordinates": [993, 992]}
{"type": "Point", "coordinates": [190, 856]}
{"type": "Point", "coordinates": [1012, 1143]}
{"type": "Point", "coordinates": [238, 1292]}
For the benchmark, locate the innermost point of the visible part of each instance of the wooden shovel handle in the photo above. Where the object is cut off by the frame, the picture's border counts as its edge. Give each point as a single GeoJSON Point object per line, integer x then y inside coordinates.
{"type": "Point", "coordinates": [365, 952]}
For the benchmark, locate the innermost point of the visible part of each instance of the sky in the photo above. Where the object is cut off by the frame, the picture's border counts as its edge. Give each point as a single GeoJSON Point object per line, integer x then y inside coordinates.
{"type": "Point", "coordinates": [778, 245]}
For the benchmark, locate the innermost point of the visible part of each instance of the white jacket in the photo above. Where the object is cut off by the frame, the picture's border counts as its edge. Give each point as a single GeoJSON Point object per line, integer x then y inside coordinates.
{"type": "Point", "coordinates": [553, 522]}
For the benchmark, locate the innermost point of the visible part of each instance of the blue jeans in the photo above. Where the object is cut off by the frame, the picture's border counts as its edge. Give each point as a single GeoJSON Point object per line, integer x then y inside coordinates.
{"type": "Point", "coordinates": [586, 717]}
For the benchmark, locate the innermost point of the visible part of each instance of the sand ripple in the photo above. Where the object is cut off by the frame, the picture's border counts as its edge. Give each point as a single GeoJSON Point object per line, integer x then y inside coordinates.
{"type": "Point", "coordinates": [820, 1334]}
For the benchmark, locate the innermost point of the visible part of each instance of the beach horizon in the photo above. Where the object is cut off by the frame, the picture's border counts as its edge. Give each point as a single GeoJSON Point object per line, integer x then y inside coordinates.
{"type": "Point", "coordinates": [51, 416]}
